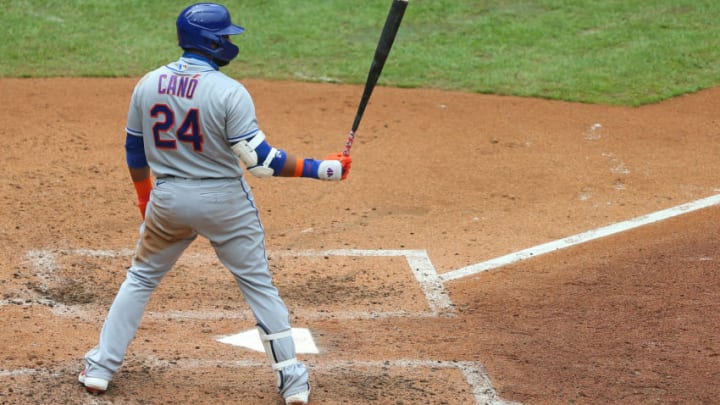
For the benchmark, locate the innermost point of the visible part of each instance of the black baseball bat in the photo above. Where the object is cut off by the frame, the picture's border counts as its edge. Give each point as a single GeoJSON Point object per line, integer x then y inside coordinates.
{"type": "Point", "coordinates": [392, 24]}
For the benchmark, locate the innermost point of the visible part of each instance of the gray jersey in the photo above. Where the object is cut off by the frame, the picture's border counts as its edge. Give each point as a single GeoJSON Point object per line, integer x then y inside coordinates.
{"type": "Point", "coordinates": [188, 114]}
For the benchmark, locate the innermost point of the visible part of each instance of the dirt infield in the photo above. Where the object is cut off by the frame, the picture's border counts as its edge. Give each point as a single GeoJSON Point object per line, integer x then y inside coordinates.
{"type": "Point", "coordinates": [441, 182]}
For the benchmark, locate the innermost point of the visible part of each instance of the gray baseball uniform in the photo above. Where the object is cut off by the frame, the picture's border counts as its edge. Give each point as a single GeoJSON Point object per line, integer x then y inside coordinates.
{"type": "Point", "coordinates": [189, 114]}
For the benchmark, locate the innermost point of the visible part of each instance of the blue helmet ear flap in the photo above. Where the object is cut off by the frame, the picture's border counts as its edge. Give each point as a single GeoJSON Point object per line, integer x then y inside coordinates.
{"type": "Point", "coordinates": [204, 27]}
{"type": "Point", "coordinates": [229, 52]}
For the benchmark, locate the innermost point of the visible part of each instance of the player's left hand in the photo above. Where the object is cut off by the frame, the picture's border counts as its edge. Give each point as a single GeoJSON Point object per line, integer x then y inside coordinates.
{"type": "Point", "coordinates": [345, 162]}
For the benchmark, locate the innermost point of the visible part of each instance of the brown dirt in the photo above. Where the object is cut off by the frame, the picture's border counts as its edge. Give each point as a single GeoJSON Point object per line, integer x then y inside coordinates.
{"type": "Point", "coordinates": [629, 318]}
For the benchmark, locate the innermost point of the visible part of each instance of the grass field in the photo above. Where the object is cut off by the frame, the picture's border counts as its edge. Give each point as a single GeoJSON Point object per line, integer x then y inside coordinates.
{"type": "Point", "coordinates": [624, 52]}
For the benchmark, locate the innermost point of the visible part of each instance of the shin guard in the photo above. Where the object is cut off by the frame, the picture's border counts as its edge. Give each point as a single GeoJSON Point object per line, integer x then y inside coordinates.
{"type": "Point", "coordinates": [280, 349]}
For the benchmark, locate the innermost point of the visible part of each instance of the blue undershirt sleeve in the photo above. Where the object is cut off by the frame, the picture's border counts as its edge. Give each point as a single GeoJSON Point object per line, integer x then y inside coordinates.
{"type": "Point", "coordinates": [135, 152]}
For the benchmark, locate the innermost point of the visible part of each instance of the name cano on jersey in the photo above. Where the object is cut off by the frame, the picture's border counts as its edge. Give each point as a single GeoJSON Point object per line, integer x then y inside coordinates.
{"type": "Point", "coordinates": [174, 85]}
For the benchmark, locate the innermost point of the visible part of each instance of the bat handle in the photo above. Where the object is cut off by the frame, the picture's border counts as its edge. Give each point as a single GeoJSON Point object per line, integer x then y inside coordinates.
{"type": "Point", "coordinates": [348, 143]}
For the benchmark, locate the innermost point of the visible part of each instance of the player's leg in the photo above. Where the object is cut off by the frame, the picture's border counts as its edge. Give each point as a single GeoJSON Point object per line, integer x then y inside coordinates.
{"type": "Point", "coordinates": [158, 250]}
{"type": "Point", "coordinates": [240, 246]}
{"type": "Point", "coordinates": [249, 267]}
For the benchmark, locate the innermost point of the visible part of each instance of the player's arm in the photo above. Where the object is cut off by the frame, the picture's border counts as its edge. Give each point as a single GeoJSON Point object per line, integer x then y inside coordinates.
{"type": "Point", "coordinates": [139, 169]}
{"type": "Point", "coordinates": [264, 160]}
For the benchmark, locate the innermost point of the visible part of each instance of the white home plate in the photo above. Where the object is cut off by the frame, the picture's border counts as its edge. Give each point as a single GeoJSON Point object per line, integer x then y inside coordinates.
{"type": "Point", "coordinates": [250, 339]}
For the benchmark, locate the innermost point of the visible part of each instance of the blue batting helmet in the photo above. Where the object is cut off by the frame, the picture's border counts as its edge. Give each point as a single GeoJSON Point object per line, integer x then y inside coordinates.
{"type": "Point", "coordinates": [204, 27]}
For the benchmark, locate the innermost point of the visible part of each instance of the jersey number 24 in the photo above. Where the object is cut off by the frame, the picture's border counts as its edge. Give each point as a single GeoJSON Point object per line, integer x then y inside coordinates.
{"type": "Point", "coordinates": [189, 130]}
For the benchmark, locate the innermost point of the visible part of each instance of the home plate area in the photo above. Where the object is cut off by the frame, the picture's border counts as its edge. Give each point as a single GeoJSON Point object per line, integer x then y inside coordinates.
{"type": "Point", "coordinates": [317, 285]}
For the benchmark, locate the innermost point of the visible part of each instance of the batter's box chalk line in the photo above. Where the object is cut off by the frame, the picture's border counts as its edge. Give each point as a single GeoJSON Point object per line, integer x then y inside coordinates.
{"type": "Point", "coordinates": [474, 374]}
{"type": "Point", "coordinates": [432, 284]}
{"type": "Point", "coordinates": [45, 264]}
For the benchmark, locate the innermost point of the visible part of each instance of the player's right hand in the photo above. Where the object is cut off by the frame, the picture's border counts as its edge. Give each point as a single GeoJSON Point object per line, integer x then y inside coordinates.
{"type": "Point", "coordinates": [345, 162]}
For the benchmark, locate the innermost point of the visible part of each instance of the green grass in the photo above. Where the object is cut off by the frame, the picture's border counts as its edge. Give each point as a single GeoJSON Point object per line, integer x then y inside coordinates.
{"type": "Point", "coordinates": [623, 52]}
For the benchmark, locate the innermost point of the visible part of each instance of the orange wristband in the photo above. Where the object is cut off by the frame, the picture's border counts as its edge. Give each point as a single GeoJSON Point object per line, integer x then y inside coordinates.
{"type": "Point", "coordinates": [143, 189]}
{"type": "Point", "coordinates": [299, 165]}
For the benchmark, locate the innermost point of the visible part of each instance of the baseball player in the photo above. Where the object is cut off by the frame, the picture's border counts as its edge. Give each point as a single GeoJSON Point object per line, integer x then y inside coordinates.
{"type": "Point", "coordinates": [190, 126]}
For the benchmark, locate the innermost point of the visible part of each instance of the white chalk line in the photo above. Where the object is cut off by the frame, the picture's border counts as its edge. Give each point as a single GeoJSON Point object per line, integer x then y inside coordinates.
{"type": "Point", "coordinates": [579, 239]}
{"type": "Point", "coordinates": [90, 313]}
{"type": "Point", "coordinates": [474, 373]}
{"type": "Point", "coordinates": [297, 313]}
{"type": "Point", "coordinates": [425, 273]}
{"type": "Point", "coordinates": [431, 283]}
{"type": "Point", "coordinates": [418, 260]}
{"type": "Point", "coordinates": [45, 263]}
{"type": "Point", "coordinates": [22, 372]}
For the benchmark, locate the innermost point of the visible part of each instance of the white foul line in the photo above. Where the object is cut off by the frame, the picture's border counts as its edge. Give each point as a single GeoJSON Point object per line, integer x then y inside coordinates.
{"type": "Point", "coordinates": [579, 238]}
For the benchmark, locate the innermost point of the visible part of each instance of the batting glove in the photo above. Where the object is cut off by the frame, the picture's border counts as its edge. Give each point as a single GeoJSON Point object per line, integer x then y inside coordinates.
{"type": "Point", "coordinates": [345, 162]}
